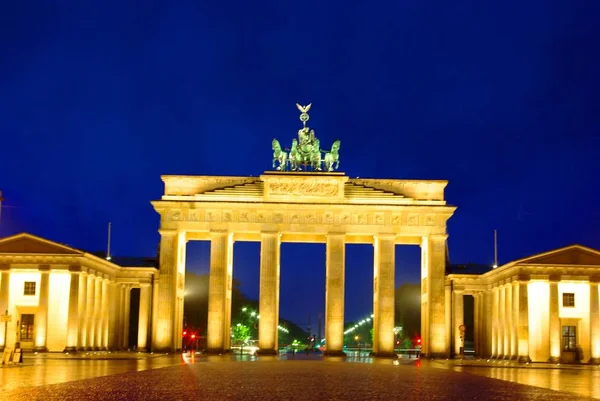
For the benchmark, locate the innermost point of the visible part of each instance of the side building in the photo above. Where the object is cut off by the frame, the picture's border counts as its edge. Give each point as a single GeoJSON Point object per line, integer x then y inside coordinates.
{"type": "Point", "coordinates": [57, 298]}
{"type": "Point", "coordinates": [542, 308]}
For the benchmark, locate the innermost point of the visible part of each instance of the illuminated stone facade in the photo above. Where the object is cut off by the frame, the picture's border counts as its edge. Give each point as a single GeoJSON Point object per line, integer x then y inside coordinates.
{"type": "Point", "coordinates": [328, 208]}
{"type": "Point", "coordinates": [63, 299]}
{"type": "Point", "coordinates": [543, 308]}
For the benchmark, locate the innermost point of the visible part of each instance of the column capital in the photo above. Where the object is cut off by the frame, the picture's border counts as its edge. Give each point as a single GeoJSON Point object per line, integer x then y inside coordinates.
{"type": "Point", "coordinates": [267, 233]}
{"type": "Point", "coordinates": [554, 278]}
{"type": "Point", "coordinates": [75, 268]}
{"type": "Point", "coordinates": [336, 234]}
{"type": "Point", "coordinates": [165, 233]}
{"type": "Point", "coordinates": [438, 237]}
{"type": "Point", "coordinates": [44, 268]}
{"type": "Point", "coordinates": [4, 267]}
{"type": "Point", "coordinates": [523, 278]}
{"type": "Point", "coordinates": [594, 279]}
{"type": "Point", "coordinates": [381, 236]}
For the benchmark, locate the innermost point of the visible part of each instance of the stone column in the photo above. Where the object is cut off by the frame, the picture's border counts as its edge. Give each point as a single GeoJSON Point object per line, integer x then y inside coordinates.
{"type": "Point", "coordinates": [73, 319]}
{"type": "Point", "coordinates": [126, 315]}
{"type": "Point", "coordinates": [487, 313]}
{"type": "Point", "coordinates": [594, 322]}
{"type": "Point", "coordinates": [171, 257]}
{"type": "Point", "coordinates": [334, 294]}
{"type": "Point", "coordinates": [514, 342]}
{"type": "Point", "coordinates": [477, 322]}
{"type": "Point", "coordinates": [523, 307]}
{"type": "Point", "coordinates": [268, 307]}
{"type": "Point", "coordinates": [501, 320]}
{"type": "Point", "coordinates": [458, 320]}
{"type": "Point", "coordinates": [82, 311]}
{"type": "Point", "coordinates": [113, 315]}
{"type": "Point", "coordinates": [144, 317]}
{"type": "Point", "coordinates": [4, 292]}
{"type": "Point", "coordinates": [120, 297]}
{"type": "Point", "coordinates": [508, 321]}
{"type": "Point", "coordinates": [554, 325]}
{"type": "Point", "coordinates": [495, 317]}
{"type": "Point", "coordinates": [219, 292]}
{"type": "Point", "coordinates": [89, 320]}
{"type": "Point", "coordinates": [41, 325]}
{"type": "Point", "coordinates": [98, 314]}
{"type": "Point", "coordinates": [438, 341]}
{"type": "Point", "coordinates": [384, 296]}
{"type": "Point", "coordinates": [104, 313]}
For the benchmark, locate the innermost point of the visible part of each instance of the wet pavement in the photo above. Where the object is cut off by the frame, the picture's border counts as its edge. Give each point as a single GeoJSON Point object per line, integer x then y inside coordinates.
{"type": "Point", "coordinates": [288, 377]}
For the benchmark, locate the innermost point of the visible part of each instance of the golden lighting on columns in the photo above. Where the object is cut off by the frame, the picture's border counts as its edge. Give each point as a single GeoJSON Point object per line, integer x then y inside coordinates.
{"type": "Point", "coordinates": [167, 291]}
{"type": "Point", "coordinates": [144, 317]}
{"type": "Point", "coordinates": [4, 285]}
{"type": "Point", "coordinates": [269, 293]}
{"type": "Point", "coordinates": [219, 291]}
{"type": "Point", "coordinates": [554, 325]}
{"type": "Point", "coordinates": [594, 321]}
{"type": "Point", "coordinates": [523, 307]}
{"type": "Point", "coordinates": [439, 343]}
{"type": "Point", "coordinates": [41, 324]}
{"type": "Point", "coordinates": [384, 294]}
{"type": "Point", "coordinates": [334, 294]}
{"type": "Point", "coordinates": [73, 321]}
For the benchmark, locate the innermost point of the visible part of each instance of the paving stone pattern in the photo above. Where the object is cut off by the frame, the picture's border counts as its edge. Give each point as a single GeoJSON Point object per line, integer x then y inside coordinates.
{"type": "Point", "coordinates": [225, 379]}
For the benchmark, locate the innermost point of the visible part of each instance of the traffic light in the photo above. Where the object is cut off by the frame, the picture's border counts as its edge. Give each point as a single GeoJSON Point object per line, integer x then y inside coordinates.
{"type": "Point", "coordinates": [193, 336]}
{"type": "Point", "coordinates": [419, 341]}
{"type": "Point", "coordinates": [184, 333]}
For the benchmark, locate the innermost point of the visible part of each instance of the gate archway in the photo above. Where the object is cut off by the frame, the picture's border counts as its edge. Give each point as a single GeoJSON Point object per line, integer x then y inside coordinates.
{"type": "Point", "coordinates": [322, 207]}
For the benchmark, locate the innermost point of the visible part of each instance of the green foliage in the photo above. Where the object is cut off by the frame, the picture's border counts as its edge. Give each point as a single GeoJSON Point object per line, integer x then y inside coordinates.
{"type": "Point", "coordinates": [241, 333]}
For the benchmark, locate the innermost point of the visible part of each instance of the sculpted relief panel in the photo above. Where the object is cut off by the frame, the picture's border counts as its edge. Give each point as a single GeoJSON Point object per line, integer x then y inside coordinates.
{"type": "Point", "coordinates": [304, 188]}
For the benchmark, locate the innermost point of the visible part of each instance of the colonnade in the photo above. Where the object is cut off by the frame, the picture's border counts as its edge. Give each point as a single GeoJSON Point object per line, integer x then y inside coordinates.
{"type": "Point", "coordinates": [220, 283]}
{"type": "Point", "coordinates": [501, 320]}
{"type": "Point", "coordinates": [99, 313]}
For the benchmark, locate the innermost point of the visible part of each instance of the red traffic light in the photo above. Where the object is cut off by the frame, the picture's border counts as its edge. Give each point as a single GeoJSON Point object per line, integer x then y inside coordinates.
{"type": "Point", "coordinates": [193, 336]}
{"type": "Point", "coordinates": [418, 340]}
{"type": "Point", "coordinates": [185, 333]}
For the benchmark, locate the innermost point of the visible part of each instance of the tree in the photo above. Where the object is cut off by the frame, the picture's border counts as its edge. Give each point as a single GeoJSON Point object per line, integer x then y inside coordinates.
{"type": "Point", "coordinates": [241, 333]}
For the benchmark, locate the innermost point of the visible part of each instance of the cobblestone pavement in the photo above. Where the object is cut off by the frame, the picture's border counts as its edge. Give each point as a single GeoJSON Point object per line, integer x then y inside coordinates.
{"type": "Point", "coordinates": [577, 379]}
{"type": "Point", "coordinates": [271, 378]}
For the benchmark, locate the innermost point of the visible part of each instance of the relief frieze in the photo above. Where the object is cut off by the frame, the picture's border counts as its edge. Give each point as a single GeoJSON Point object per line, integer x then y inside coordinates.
{"type": "Point", "coordinates": [304, 189]}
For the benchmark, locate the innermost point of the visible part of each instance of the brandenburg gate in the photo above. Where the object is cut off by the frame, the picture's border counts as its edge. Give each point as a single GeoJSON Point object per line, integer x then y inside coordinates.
{"type": "Point", "coordinates": [302, 206]}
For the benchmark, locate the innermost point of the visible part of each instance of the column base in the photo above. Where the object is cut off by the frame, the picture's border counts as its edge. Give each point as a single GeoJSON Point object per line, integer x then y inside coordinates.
{"type": "Point", "coordinates": [384, 354]}
{"type": "Point", "coordinates": [72, 350]}
{"type": "Point", "coordinates": [435, 355]}
{"type": "Point", "coordinates": [524, 359]}
{"type": "Point", "coordinates": [217, 351]}
{"type": "Point", "coordinates": [334, 353]}
{"type": "Point", "coordinates": [40, 349]}
{"type": "Point", "coordinates": [143, 349]}
{"type": "Point", "coordinates": [514, 358]}
{"type": "Point", "coordinates": [594, 361]}
{"type": "Point", "coordinates": [266, 351]}
{"type": "Point", "coordinates": [554, 359]}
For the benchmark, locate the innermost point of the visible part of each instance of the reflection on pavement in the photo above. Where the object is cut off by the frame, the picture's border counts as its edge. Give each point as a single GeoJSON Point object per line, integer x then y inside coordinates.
{"type": "Point", "coordinates": [584, 381]}
{"type": "Point", "coordinates": [41, 371]}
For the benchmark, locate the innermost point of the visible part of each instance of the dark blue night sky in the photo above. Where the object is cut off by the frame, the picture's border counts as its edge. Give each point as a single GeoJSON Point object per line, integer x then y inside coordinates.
{"type": "Point", "coordinates": [500, 98]}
